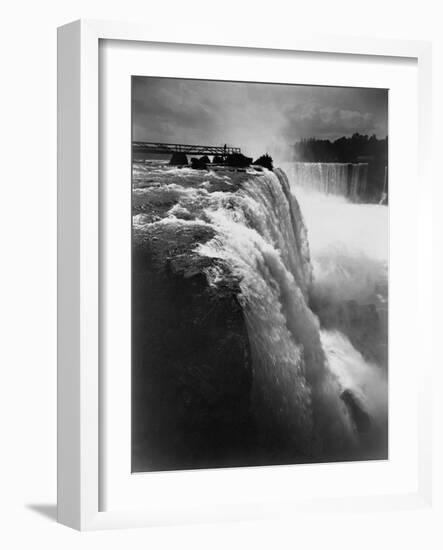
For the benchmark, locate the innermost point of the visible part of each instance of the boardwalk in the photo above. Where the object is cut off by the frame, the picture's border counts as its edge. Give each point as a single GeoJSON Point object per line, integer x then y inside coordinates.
{"type": "Point", "coordinates": [170, 148]}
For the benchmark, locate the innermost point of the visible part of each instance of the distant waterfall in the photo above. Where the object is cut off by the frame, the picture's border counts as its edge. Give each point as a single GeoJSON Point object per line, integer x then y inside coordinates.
{"type": "Point", "coordinates": [345, 180]}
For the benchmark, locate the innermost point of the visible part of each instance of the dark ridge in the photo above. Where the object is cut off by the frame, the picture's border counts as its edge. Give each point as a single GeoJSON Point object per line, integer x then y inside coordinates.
{"type": "Point", "coordinates": [191, 365]}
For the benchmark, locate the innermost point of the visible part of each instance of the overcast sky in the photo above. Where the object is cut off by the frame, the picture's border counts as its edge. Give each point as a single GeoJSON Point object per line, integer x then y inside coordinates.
{"type": "Point", "coordinates": [256, 117]}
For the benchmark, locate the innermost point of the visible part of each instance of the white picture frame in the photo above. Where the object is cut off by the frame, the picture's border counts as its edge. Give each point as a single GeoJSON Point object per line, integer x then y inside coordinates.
{"type": "Point", "coordinates": [79, 293]}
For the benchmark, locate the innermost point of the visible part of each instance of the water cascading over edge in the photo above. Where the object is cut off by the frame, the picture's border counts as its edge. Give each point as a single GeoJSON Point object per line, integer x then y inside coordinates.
{"type": "Point", "coordinates": [261, 237]}
{"type": "Point", "coordinates": [340, 179]}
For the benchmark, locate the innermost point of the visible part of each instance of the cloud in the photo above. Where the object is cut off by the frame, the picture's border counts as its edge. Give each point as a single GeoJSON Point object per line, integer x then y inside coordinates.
{"type": "Point", "coordinates": [256, 117]}
{"type": "Point", "coordinates": [328, 122]}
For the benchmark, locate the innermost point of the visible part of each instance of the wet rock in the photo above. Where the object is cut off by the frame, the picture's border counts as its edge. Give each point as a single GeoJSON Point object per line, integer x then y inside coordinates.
{"type": "Point", "coordinates": [178, 159]}
{"type": "Point", "coordinates": [265, 161]}
{"type": "Point", "coordinates": [200, 163]}
{"type": "Point", "coordinates": [191, 372]}
{"type": "Point", "coordinates": [238, 160]}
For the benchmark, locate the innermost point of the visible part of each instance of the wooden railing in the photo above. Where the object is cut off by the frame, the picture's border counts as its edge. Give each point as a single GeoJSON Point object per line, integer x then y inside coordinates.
{"type": "Point", "coordinates": [169, 148]}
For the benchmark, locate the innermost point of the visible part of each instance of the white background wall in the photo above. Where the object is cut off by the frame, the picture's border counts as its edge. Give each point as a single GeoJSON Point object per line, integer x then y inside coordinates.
{"type": "Point", "coordinates": [28, 270]}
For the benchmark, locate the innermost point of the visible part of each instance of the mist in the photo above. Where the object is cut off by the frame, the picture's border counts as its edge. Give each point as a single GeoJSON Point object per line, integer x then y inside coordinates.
{"type": "Point", "coordinates": [257, 117]}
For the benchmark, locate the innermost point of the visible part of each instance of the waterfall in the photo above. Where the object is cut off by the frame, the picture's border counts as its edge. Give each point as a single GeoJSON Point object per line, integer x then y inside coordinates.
{"type": "Point", "coordinates": [263, 240]}
{"type": "Point", "coordinates": [314, 394]}
{"type": "Point", "coordinates": [345, 180]}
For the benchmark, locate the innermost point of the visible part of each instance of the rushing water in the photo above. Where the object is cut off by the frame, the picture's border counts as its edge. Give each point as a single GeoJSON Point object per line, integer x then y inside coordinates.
{"type": "Point", "coordinates": [349, 256]}
{"type": "Point", "coordinates": [312, 271]}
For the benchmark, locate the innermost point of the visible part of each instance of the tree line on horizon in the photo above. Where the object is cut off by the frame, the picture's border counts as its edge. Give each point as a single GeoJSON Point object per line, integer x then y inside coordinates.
{"type": "Point", "coordinates": [357, 148]}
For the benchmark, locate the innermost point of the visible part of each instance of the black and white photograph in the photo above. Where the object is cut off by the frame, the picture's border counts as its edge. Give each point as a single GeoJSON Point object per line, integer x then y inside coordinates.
{"type": "Point", "coordinates": [259, 274]}
{"type": "Point", "coordinates": [222, 266]}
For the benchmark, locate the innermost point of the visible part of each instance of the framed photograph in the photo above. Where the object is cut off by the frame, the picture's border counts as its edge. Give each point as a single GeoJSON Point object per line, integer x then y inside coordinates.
{"type": "Point", "coordinates": [240, 229]}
